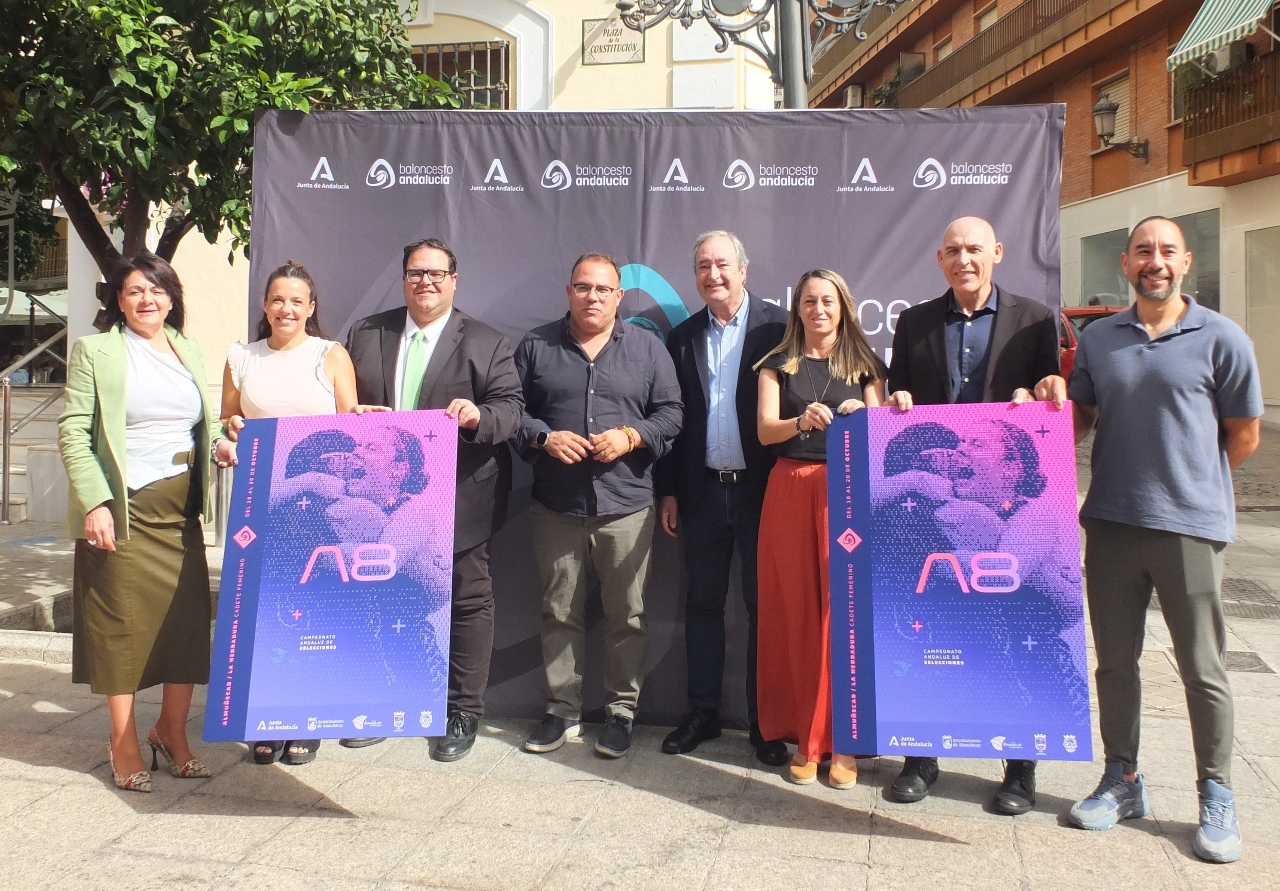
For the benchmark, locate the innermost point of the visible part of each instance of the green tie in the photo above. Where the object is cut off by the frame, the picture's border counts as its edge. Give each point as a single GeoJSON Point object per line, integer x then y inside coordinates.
{"type": "Point", "coordinates": [414, 367]}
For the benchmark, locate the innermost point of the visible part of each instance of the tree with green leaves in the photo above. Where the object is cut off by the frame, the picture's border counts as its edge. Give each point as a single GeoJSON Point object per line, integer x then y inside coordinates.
{"type": "Point", "coordinates": [137, 107]}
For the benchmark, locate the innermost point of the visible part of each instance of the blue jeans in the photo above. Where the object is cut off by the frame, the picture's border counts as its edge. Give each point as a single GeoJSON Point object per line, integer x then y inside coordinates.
{"type": "Point", "coordinates": [724, 518]}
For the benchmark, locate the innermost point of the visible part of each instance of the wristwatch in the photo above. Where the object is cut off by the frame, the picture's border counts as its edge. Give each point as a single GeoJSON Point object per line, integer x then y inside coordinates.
{"type": "Point", "coordinates": [541, 439]}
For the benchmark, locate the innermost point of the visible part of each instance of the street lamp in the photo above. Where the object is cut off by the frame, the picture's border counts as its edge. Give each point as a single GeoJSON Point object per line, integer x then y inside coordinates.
{"type": "Point", "coordinates": [1104, 122]}
{"type": "Point", "coordinates": [789, 53]}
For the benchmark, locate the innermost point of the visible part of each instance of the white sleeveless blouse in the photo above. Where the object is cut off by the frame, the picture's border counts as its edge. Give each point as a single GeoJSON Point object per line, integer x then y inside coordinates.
{"type": "Point", "coordinates": [280, 383]}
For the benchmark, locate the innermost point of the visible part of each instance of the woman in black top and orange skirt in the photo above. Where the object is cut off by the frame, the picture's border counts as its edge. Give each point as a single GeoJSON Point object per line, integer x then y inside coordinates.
{"type": "Point", "coordinates": [823, 366]}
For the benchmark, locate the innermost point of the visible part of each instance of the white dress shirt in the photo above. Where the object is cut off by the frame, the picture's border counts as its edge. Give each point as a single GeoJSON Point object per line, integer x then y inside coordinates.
{"type": "Point", "coordinates": [432, 337]}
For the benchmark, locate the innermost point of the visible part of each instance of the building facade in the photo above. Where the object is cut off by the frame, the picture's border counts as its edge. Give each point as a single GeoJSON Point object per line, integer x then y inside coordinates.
{"type": "Point", "coordinates": [576, 55]}
{"type": "Point", "coordinates": [1196, 136]}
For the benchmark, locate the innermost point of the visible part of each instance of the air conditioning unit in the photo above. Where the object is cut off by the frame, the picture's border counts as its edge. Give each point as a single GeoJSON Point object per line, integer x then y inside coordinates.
{"type": "Point", "coordinates": [1219, 60]}
{"type": "Point", "coordinates": [1224, 58]}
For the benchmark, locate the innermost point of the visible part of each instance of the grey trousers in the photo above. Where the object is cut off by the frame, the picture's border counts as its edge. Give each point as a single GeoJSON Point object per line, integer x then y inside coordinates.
{"type": "Point", "coordinates": [569, 551]}
{"type": "Point", "coordinates": [1122, 564]}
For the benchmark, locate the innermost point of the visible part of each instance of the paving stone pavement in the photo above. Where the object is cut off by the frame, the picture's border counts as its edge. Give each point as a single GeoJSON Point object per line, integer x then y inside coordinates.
{"type": "Point", "coordinates": [388, 817]}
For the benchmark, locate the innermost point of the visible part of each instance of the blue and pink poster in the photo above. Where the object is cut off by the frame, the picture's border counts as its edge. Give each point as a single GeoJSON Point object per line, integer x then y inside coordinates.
{"type": "Point", "coordinates": [957, 617]}
{"type": "Point", "coordinates": [333, 613]}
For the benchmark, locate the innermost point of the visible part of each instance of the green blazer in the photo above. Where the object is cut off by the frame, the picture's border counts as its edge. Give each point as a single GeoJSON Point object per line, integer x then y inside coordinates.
{"type": "Point", "coordinates": [91, 429]}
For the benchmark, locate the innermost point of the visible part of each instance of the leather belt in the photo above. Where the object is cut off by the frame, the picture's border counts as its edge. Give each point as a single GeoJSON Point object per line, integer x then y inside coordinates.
{"type": "Point", "coordinates": [728, 476]}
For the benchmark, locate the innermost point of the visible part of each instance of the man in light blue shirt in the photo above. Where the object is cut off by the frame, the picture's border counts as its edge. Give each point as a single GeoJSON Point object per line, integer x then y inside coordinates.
{"type": "Point", "coordinates": [724, 358]}
{"type": "Point", "coordinates": [1174, 391]}
{"type": "Point", "coordinates": [712, 483]}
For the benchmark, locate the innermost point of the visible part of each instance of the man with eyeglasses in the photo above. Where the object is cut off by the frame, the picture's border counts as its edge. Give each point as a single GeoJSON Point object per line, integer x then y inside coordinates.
{"type": "Point", "coordinates": [602, 404]}
{"type": "Point", "coordinates": [428, 354]}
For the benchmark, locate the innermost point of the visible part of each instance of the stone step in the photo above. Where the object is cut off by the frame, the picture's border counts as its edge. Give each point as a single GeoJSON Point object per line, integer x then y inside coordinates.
{"type": "Point", "coordinates": [17, 480]}
{"type": "Point", "coordinates": [17, 508]}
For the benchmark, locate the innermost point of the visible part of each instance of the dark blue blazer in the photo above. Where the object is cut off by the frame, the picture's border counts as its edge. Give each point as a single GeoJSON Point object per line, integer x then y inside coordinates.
{"type": "Point", "coordinates": [682, 471]}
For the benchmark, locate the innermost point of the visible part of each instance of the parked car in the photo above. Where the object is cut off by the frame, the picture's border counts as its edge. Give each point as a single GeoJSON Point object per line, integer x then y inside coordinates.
{"type": "Point", "coordinates": [1074, 320]}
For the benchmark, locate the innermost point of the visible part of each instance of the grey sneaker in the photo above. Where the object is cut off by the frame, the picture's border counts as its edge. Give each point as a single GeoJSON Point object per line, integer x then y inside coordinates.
{"type": "Point", "coordinates": [551, 734]}
{"type": "Point", "coordinates": [1114, 800]}
{"type": "Point", "coordinates": [1218, 838]}
{"type": "Point", "coordinates": [615, 738]}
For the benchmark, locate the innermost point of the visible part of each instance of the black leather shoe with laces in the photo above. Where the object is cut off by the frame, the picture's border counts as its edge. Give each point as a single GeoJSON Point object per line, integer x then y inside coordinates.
{"type": "Point", "coordinates": [459, 737]}
{"type": "Point", "coordinates": [701, 725]}
{"type": "Point", "coordinates": [1017, 794]}
{"type": "Point", "coordinates": [912, 785]}
{"type": "Point", "coordinates": [772, 752]}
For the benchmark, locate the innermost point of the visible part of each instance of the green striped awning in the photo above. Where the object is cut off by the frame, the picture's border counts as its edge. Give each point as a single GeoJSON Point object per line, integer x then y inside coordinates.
{"type": "Point", "coordinates": [1218, 23]}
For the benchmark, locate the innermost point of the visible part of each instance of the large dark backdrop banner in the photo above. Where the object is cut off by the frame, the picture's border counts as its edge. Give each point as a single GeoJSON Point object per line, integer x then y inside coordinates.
{"type": "Point", "coordinates": [520, 195]}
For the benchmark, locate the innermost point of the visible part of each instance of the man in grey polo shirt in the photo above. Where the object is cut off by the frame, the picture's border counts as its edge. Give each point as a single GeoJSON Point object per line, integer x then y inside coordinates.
{"type": "Point", "coordinates": [1174, 391]}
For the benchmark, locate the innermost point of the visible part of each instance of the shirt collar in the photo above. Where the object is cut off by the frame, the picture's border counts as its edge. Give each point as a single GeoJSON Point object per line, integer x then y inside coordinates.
{"type": "Point", "coordinates": [1196, 317]}
{"type": "Point", "coordinates": [990, 306]}
{"type": "Point", "coordinates": [429, 333]}
{"type": "Point", "coordinates": [739, 318]}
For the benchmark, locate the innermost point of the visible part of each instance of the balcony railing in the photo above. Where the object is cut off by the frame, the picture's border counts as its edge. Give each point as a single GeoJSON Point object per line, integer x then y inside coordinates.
{"type": "Point", "coordinates": [53, 260]}
{"type": "Point", "coordinates": [1019, 26]}
{"type": "Point", "coordinates": [1235, 97]}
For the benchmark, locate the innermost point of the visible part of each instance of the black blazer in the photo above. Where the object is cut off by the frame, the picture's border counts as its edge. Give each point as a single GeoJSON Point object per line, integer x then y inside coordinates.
{"type": "Point", "coordinates": [471, 361]}
{"type": "Point", "coordinates": [1024, 350]}
{"type": "Point", "coordinates": [681, 472]}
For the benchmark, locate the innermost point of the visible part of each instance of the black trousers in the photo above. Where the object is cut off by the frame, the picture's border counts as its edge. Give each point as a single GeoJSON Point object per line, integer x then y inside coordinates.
{"type": "Point", "coordinates": [724, 519]}
{"type": "Point", "coordinates": [471, 630]}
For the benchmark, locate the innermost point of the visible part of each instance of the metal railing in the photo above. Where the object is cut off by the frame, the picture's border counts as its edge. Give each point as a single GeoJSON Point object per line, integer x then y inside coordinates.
{"type": "Point", "coordinates": [479, 71]}
{"type": "Point", "coordinates": [1018, 26]}
{"type": "Point", "coordinates": [8, 429]}
{"type": "Point", "coordinates": [1233, 97]}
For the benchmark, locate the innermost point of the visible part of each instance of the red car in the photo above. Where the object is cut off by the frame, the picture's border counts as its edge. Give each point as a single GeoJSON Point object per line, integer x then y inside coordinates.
{"type": "Point", "coordinates": [1074, 320]}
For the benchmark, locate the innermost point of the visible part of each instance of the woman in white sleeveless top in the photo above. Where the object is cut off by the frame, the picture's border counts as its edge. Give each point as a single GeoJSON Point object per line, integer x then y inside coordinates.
{"type": "Point", "coordinates": [289, 370]}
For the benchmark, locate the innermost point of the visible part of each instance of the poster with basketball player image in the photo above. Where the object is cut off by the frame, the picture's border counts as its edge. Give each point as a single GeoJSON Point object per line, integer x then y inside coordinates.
{"type": "Point", "coordinates": [334, 610]}
{"type": "Point", "coordinates": [957, 612]}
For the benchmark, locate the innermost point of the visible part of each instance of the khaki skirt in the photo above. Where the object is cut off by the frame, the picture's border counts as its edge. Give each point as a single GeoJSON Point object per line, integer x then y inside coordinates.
{"type": "Point", "coordinates": [142, 613]}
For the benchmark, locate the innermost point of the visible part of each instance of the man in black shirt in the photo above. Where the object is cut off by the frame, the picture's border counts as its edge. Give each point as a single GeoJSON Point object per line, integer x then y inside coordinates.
{"type": "Point", "coordinates": [602, 405]}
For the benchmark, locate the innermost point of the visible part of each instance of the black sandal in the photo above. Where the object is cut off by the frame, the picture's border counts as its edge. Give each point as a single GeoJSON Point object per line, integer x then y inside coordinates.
{"type": "Point", "coordinates": [277, 749]}
{"type": "Point", "coordinates": [311, 745]}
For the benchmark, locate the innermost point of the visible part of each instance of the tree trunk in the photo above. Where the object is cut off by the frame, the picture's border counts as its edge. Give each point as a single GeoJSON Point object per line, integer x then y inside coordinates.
{"type": "Point", "coordinates": [83, 217]}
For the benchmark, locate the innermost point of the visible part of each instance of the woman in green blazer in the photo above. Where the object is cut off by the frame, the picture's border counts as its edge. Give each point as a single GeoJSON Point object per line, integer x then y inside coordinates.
{"type": "Point", "coordinates": [136, 437]}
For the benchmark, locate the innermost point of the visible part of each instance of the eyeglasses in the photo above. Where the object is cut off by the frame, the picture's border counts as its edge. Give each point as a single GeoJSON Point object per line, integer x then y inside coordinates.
{"type": "Point", "coordinates": [582, 289]}
{"type": "Point", "coordinates": [435, 276]}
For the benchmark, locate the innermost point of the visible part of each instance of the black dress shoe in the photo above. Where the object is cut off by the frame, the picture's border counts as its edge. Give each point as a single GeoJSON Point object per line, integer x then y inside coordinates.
{"type": "Point", "coordinates": [1017, 794]}
{"type": "Point", "coordinates": [359, 742]}
{"type": "Point", "coordinates": [459, 737]}
{"type": "Point", "coordinates": [772, 752]}
{"type": "Point", "coordinates": [701, 725]}
{"type": "Point", "coordinates": [912, 785]}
